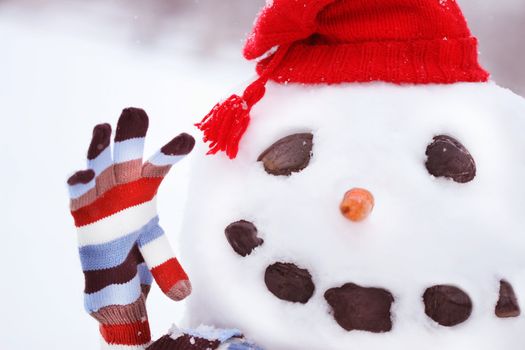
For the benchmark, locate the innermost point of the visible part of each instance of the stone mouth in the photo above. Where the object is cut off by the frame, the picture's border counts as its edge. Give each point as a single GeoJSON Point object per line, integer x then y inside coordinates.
{"type": "Point", "coordinates": [369, 309]}
{"type": "Point", "coordinates": [363, 308]}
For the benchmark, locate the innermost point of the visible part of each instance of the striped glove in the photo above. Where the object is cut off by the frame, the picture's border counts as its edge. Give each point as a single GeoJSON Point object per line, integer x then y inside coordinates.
{"type": "Point", "coordinates": [121, 244]}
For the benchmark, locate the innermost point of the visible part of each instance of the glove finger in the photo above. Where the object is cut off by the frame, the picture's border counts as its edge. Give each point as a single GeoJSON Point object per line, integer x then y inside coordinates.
{"type": "Point", "coordinates": [160, 164]}
{"type": "Point", "coordinates": [99, 158]}
{"type": "Point", "coordinates": [130, 135]}
{"type": "Point", "coordinates": [164, 266]}
{"type": "Point", "coordinates": [81, 188]}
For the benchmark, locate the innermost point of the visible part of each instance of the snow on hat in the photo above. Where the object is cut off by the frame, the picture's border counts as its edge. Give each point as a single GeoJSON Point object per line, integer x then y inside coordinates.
{"type": "Point", "coordinates": [348, 41]}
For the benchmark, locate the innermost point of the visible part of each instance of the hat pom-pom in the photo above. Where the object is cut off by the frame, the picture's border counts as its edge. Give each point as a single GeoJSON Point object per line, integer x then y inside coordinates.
{"type": "Point", "coordinates": [227, 122]}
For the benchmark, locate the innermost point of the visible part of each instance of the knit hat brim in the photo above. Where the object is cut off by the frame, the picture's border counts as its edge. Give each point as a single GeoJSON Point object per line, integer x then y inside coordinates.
{"type": "Point", "coordinates": [440, 61]}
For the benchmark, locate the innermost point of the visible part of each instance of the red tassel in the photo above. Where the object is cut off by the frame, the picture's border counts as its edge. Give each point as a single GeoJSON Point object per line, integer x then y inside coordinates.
{"type": "Point", "coordinates": [227, 122]}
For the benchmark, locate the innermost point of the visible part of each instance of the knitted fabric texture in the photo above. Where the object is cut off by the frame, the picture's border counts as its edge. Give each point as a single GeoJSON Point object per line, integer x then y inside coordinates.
{"type": "Point", "coordinates": [121, 245]}
{"type": "Point", "coordinates": [348, 41]}
{"type": "Point", "coordinates": [398, 41]}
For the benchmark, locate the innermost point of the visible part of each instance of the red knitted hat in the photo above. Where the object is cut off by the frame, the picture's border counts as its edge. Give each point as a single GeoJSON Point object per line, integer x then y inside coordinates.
{"type": "Point", "coordinates": [344, 41]}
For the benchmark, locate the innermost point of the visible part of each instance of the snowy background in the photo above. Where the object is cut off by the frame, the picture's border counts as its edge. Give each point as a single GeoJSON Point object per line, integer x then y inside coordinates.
{"type": "Point", "coordinates": [67, 65]}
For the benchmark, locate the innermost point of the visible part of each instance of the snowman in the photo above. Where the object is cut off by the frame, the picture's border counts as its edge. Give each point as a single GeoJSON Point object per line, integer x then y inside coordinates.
{"type": "Point", "coordinates": [367, 189]}
{"type": "Point", "coordinates": [365, 192]}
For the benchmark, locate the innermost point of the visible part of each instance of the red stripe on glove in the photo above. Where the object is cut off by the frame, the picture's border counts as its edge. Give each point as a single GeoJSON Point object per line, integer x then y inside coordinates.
{"type": "Point", "coordinates": [168, 274]}
{"type": "Point", "coordinates": [117, 199]}
{"type": "Point", "coordinates": [126, 334]}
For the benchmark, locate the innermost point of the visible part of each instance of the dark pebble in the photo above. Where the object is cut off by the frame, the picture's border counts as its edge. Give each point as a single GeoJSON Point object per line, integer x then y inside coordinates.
{"type": "Point", "coordinates": [447, 157]}
{"type": "Point", "coordinates": [288, 282]}
{"type": "Point", "coordinates": [508, 303]}
{"type": "Point", "coordinates": [447, 305]}
{"type": "Point", "coordinates": [242, 236]}
{"type": "Point", "coordinates": [288, 155]}
{"type": "Point", "coordinates": [359, 308]}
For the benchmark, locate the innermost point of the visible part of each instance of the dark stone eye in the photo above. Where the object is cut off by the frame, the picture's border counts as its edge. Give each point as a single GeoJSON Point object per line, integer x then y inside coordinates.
{"type": "Point", "coordinates": [359, 308]}
{"type": "Point", "coordinates": [242, 236]}
{"type": "Point", "coordinates": [288, 282]}
{"type": "Point", "coordinates": [447, 157]}
{"type": "Point", "coordinates": [288, 155]}
{"type": "Point", "coordinates": [447, 305]}
{"type": "Point", "coordinates": [508, 303]}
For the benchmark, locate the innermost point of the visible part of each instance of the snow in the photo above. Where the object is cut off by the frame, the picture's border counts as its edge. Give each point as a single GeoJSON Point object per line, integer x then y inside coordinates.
{"type": "Point", "coordinates": [424, 231]}
{"type": "Point", "coordinates": [205, 332]}
{"type": "Point", "coordinates": [61, 75]}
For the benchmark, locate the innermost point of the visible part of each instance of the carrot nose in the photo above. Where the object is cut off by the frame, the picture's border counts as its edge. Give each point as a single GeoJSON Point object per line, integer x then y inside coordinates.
{"type": "Point", "coordinates": [357, 204]}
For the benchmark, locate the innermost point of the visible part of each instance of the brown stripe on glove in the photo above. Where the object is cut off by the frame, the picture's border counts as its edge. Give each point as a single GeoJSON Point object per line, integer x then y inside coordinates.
{"type": "Point", "coordinates": [100, 140]}
{"type": "Point", "coordinates": [150, 170]}
{"type": "Point", "coordinates": [123, 273]}
{"type": "Point", "coordinates": [81, 177]}
{"type": "Point", "coordinates": [133, 123]}
{"type": "Point", "coordinates": [122, 314]}
{"type": "Point", "coordinates": [179, 146]}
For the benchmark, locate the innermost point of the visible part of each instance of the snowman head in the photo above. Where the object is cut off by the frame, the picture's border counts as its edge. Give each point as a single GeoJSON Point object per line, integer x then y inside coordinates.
{"type": "Point", "coordinates": [357, 200]}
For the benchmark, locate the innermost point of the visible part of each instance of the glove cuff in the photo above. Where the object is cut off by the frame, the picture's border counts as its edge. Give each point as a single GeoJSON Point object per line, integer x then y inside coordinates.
{"type": "Point", "coordinates": [122, 314]}
{"type": "Point", "coordinates": [131, 334]}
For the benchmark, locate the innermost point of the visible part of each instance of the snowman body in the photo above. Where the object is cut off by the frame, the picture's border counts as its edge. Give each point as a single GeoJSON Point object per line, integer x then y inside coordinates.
{"type": "Point", "coordinates": [424, 230]}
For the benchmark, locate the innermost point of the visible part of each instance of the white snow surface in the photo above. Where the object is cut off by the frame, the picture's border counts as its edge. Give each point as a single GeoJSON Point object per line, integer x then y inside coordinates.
{"type": "Point", "coordinates": [424, 231]}
{"type": "Point", "coordinates": [61, 74]}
